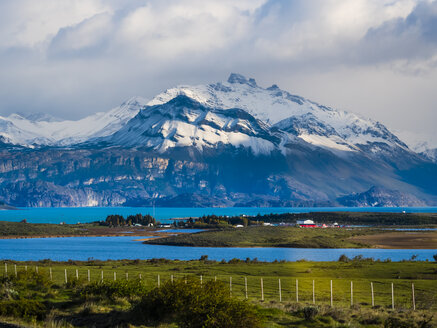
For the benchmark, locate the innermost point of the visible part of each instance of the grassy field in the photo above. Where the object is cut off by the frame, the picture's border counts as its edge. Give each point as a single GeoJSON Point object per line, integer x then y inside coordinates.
{"type": "Point", "coordinates": [233, 274]}
{"type": "Point", "coordinates": [301, 238]}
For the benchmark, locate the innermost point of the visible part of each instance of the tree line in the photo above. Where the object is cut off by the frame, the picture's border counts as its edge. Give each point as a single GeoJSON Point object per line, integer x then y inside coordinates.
{"type": "Point", "coordinates": [115, 220]}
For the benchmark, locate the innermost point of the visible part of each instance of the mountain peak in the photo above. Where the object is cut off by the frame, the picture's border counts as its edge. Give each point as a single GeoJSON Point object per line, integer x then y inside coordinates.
{"type": "Point", "coordinates": [241, 79]}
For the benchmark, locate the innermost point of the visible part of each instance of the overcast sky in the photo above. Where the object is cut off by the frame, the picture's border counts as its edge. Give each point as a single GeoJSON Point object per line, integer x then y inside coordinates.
{"type": "Point", "coordinates": [71, 58]}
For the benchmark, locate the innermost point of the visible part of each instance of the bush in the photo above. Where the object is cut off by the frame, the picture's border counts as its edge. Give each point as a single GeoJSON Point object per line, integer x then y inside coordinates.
{"type": "Point", "coordinates": [343, 258]}
{"type": "Point", "coordinates": [114, 289]}
{"type": "Point", "coordinates": [193, 305]}
{"type": "Point", "coordinates": [27, 309]}
{"type": "Point", "coordinates": [310, 312]}
{"type": "Point", "coordinates": [435, 257]}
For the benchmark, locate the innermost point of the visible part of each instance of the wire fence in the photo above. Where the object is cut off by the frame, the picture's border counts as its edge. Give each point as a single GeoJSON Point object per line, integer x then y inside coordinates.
{"type": "Point", "coordinates": [395, 294]}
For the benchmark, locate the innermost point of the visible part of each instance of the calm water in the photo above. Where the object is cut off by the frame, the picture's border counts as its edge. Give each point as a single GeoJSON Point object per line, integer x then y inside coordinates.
{"type": "Point", "coordinates": [103, 248]}
{"type": "Point", "coordinates": [89, 214]}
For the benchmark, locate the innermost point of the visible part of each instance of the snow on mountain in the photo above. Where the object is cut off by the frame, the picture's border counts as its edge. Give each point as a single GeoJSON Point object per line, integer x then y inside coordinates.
{"type": "Point", "coordinates": [314, 123]}
{"type": "Point", "coordinates": [41, 130]}
{"type": "Point", "coordinates": [184, 122]}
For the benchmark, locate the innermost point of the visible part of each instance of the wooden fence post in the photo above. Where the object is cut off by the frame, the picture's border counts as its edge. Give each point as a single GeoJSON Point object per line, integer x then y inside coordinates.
{"type": "Point", "coordinates": [15, 269]}
{"type": "Point", "coordinates": [51, 274]}
{"type": "Point", "coordinates": [159, 281]}
{"type": "Point", "coordinates": [89, 275]}
{"type": "Point", "coordinates": [171, 278]}
{"type": "Point", "coordinates": [101, 276]}
{"type": "Point", "coordinates": [201, 280]}
{"type": "Point", "coordinates": [77, 274]}
{"type": "Point", "coordinates": [6, 269]}
{"type": "Point", "coordinates": [127, 275]}
{"type": "Point", "coordinates": [392, 297]}
{"type": "Point", "coordinates": [215, 278]}
{"type": "Point", "coordinates": [352, 293]}
{"type": "Point", "coordinates": [280, 292]}
{"type": "Point", "coordinates": [297, 291]}
{"type": "Point", "coordinates": [245, 286]}
{"type": "Point", "coordinates": [65, 273]}
{"type": "Point", "coordinates": [414, 299]}
{"type": "Point", "coordinates": [262, 290]}
{"type": "Point", "coordinates": [140, 276]}
{"type": "Point", "coordinates": [115, 276]}
{"type": "Point", "coordinates": [230, 285]}
{"type": "Point", "coordinates": [373, 298]}
{"type": "Point", "coordinates": [314, 294]}
{"type": "Point", "coordinates": [331, 295]}
{"type": "Point", "coordinates": [25, 268]}
{"type": "Point", "coordinates": [36, 269]}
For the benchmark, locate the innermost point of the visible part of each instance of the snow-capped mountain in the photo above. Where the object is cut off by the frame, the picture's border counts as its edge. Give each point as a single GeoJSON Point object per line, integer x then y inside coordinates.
{"type": "Point", "coordinates": [222, 144]}
{"type": "Point", "coordinates": [184, 122]}
{"type": "Point", "coordinates": [45, 130]}
{"type": "Point", "coordinates": [316, 124]}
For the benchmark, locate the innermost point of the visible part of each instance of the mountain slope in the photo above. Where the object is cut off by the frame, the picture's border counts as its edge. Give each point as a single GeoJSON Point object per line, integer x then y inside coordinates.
{"type": "Point", "coordinates": [183, 122]}
{"type": "Point", "coordinates": [314, 123]}
{"type": "Point", "coordinates": [37, 130]}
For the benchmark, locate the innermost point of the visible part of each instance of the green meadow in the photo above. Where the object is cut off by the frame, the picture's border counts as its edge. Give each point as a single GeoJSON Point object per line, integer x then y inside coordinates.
{"type": "Point", "coordinates": [275, 305]}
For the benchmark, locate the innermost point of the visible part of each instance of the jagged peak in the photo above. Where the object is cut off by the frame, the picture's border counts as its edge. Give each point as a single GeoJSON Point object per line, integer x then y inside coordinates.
{"type": "Point", "coordinates": [241, 79]}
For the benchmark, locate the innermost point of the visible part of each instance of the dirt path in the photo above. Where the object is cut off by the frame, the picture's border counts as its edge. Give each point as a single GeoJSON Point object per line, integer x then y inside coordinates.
{"type": "Point", "coordinates": [400, 240]}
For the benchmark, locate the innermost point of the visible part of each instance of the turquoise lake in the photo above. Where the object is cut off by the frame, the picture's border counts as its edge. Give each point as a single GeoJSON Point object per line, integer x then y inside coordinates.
{"type": "Point", "coordinates": [163, 214]}
{"type": "Point", "coordinates": [117, 248]}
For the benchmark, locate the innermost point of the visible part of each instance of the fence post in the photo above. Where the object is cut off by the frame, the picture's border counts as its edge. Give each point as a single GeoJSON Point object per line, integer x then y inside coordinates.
{"type": "Point", "coordinates": [51, 274]}
{"type": "Point", "coordinates": [262, 290]}
{"type": "Point", "coordinates": [245, 286]}
{"type": "Point", "coordinates": [201, 280]}
{"type": "Point", "coordinates": [414, 300]}
{"type": "Point", "coordinates": [331, 295]}
{"type": "Point", "coordinates": [65, 273]}
{"type": "Point", "coordinates": [215, 278]}
{"type": "Point", "coordinates": [140, 276]}
{"type": "Point", "coordinates": [36, 269]}
{"type": "Point", "coordinates": [25, 268]}
{"type": "Point", "coordinates": [392, 297]}
{"type": "Point", "coordinates": [89, 275]}
{"type": "Point", "coordinates": [159, 281]}
{"type": "Point", "coordinates": [6, 269]}
{"type": "Point", "coordinates": [230, 285]}
{"type": "Point", "coordinates": [115, 276]}
{"type": "Point", "coordinates": [280, 292]}
{"type": "Point", "coordinates": [15, 269]}
{"type": "Point", "coordinates": [373, 299]}
{"type": "Point", "coordinates": [314, 294]}
{"type": "Point", "coordinates": [101, 276]}
{"type": "Point", "coordinates": [127, 276]}
{"type": "Point", "coordinates": [297, 291]}
{"type": "Point", "coordinates": [352, 293]}
{"type": "Point", "coordinates": [171, 278]}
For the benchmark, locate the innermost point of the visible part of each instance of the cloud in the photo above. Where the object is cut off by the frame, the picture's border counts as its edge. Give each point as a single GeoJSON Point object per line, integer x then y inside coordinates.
{"type": "Point", "coordinates": [75, 57]}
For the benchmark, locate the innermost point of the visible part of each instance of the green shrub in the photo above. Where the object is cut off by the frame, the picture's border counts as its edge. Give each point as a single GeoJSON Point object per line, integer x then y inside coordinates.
{"type": "Point", "coordinates": [343, 258]}
{"type": "Point", "coordinates": [23, 309]}
{"type": "Point", "coordinates": [114, 289]}
{"type": "Point", "coordinates": [193, 305]}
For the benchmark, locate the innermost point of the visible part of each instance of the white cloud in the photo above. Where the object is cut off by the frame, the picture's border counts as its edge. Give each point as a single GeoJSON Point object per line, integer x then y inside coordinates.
{"type": "Point", "coordinates": [73, 57]}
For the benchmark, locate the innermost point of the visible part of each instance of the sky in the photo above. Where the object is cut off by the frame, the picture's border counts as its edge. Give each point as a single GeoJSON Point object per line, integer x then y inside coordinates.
{"type": "Point", "coordinates": [72, 58]}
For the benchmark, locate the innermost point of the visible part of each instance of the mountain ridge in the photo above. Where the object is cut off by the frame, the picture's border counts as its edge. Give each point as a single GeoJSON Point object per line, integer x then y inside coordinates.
{"type": "Point", "coordinates": [222, 144]}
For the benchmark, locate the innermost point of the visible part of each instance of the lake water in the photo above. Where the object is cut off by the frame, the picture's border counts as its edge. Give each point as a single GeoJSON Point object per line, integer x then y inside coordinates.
{"type": "Point", "coordinates": [104, 248]}
{"type": "Point", "coordinates": [163, 214]}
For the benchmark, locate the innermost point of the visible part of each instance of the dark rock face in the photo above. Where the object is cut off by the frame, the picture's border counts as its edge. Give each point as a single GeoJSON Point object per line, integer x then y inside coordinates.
{"type": "Point", "coordinates": [227, 176]}
{"type": "Point", "coordinates": [380, 197]}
